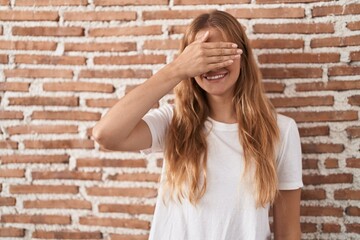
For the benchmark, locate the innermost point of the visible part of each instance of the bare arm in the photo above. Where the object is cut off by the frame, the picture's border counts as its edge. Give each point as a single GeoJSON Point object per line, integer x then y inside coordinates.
{"type": "Point", "coordinates": [122, 127]}
{"type": "Point", "coordinates": [287, 215]}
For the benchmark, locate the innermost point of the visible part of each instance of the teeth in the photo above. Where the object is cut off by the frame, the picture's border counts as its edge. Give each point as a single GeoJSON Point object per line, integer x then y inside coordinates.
{"type": "Point", "coordinates": [215, 77]}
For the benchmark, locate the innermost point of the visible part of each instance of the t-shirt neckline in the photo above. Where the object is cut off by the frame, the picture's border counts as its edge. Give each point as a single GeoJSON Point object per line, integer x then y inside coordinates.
{"type": "Point", "coordinates": [222, 126]}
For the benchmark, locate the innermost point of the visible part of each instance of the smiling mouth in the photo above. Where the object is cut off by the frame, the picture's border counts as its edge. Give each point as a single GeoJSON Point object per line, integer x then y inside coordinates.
{"type": "Point", "coordinates": [214, 77]}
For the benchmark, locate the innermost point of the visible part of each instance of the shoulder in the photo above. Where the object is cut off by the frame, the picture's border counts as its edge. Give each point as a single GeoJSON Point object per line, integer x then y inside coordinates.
{"type": "Point", "coordinates": [285, 124]}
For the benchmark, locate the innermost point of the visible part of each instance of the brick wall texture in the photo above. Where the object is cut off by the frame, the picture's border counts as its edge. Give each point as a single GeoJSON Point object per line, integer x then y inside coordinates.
{"type": "Point", "coordinates": [63, 63]}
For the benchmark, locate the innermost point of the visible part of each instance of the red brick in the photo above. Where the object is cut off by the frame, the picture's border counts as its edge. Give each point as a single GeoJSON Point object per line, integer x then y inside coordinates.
{"type": "Point", "coordinates": [65, 234]}
{"type": "Point", "coordinates": [126, 208]}
{"type": "Point", "coordinates": [331, 228]}
{"type": "Point", "coordinates": [353, 25]}
{"type": "Point", "coordinates": [13, 15]}
{"type": "Point", "coordinates": [274, 87]}
{"type": "Point", "coordinates": [302, 28]}
{"type": "Point", "coordinates": [79, 87]}
{"type": "Point", "coordinates": [7, 201]}
{"type": "Point", "coordinates": [11, 115]}
{"type": "Point", "coordinates": [111, 163]}
{"type": "Point", "coordinates": [125, 31]}
{"type": "Point", "coordinates": [27, 45]}
{"type": "Point", "coordinates": [328, 86]}
{"type": "Point", "coordinates": [128, 237]}
{"type": "Point", "coordinates": [44, 159]}
{"type": "Point", "coordinates": [59, 144]}
{"type": "Point", "coordinates": [44, 3]}
{"type": "Point", "coordinates": [36, 219]}
{"type": "Point", "coordinates": [42, 129]}
{"type": "Point", "coordinates": [302, 101]}
{"type": "Point", "coordinates": [123, 192]}
{"type": "Point", "coordinates": [48, 31]}
{"type": "Point", "coordinates": [354, 100]}
{"type": "Point", "coordinates": [101, 47]}
{"type": "Point", "coordinates": [129, 60]}
{"type": "Point", "coordinates": [353, 132]}
{"type": "Point", "coordinates": [3, 59]}
{"type": "Point", "coordinates": [347, 194]}
{"type": "Point", "coordinates": [299, 58]}
{"type": "Point", "coordinates": [344, 70]}
{"type": "Point", "coordinates": [43, 189]}
{"type": "Point", "coordinates": [66, 115]}
{"type": "Point", "coordinates": [4, 2]}
{"type": "Point", "coordinates": [331, 163]}
{"type": "Point", "coordinates": [8, 144]}
{"type": "Point", "coordinates": [352, 211]}
{"type": "Point", "coordinates": [38, 73]}
{"type": "Point", "coordinates": [172, 14]}
{"type": "Point", "coordinates": [167, 44]}
{"type": "Point", "coordinates": [196, 2]}
{"type": "Point", "coordinates": [336, 10]}
{"type": "Point", "coordinates": [352, 228]}
{"type": "Point", "coordinates": [314, 194]}
{"type": "Point", "coordinates": [129, 2]}
{"type": "Point", "coordinates": [287, 72]}
{"type": "Point", "coordinates": [50, 60]}
{"type": "Point", "coordinates": [354, 56]}
{"type": "Point", "coordinates": [58, 204]}
{"type": "Point", "coordinates": [100, 16]}
{"type": "Point", "coordinates": [121, 73]}
{"type": "Point", "coordinates": [335, 42]}
{"type": "Point", "coordinates": [115, 222]}
{"type": "Point", "coordinates": [277, 43]}
{"type": "Point", "coordinates": [12, 173]}
{"type": "Point", "coordinates": [314, 131]}
{"type": "Point", "coordinates": [322, 148]}
{"type": "Point", "coordinates": [308, 227]}
{"type": "Point", "coordinates": [353, 163]}
{"type": "Point", "coordinates": [104, 103]}
{"type": "Point", "coordinates": [14, 86]}
{"type": "Point", "coordinates": [73, 175]}
{"type": "Point", "coordinates": [12, 232]}
{"type": "Point", "coordinates": [325, 116]}
{"type": "Point", "coordinates": [135, 177]}
{"type": "Point", "coordinates": [263, 13]}
{"type": "Point", "coordinates": [310, 164]}
{"type": "Point", "coordinates": [321, 211]}
{"type": "Point", "coordinates": [179, 29]}
{"type": "Point", "coordinates": [44, 101]}
{"type": "Point", "coordinates": [327, 179]}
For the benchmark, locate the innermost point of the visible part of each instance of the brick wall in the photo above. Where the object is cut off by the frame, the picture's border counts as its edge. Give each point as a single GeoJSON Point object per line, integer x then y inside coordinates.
{"type": "Point", "coordinates": [65, 62]}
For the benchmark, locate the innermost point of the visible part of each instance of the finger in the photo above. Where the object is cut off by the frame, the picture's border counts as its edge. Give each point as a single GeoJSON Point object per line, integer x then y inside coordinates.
{"type": "Point", "coordinates": [223, 52]}
{"type": "Point", "coordinates": [212, 45]}
{"type": "Point", "coordinates": [220, 59]}
{"type": "Point", "coordinates": [203, 38]}
{"type": "Point", "coordinates": [220, 65]}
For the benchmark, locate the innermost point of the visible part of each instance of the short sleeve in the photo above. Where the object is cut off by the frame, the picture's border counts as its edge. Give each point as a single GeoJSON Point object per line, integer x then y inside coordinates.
{"type": "Point", "coordinates": [289, 161]}
{"type": "Point", "coordinates": [158, 121]}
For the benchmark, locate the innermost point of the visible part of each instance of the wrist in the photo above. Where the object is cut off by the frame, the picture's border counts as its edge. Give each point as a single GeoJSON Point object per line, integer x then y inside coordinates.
{"type": "Point", "coordinates": [174, 72]}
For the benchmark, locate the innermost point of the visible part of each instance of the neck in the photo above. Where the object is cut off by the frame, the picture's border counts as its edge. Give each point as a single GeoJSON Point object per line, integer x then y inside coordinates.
{"type": "Point", "coordinates": [222, 109]}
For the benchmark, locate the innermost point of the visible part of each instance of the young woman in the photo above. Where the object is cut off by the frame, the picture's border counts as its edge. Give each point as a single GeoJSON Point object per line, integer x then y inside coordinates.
{"type": "Point", "coordinates": [227, 155]}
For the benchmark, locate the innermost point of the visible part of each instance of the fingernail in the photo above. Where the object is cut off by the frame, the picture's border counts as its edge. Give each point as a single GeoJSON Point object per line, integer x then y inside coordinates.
{"type": "Point", "coordinates": [234, 45]}
{"type": "Point", "coordinates": [239, 51]}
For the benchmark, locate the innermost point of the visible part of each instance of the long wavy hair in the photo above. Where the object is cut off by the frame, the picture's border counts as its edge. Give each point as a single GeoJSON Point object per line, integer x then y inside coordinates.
{"type": "Point", "coordinates": [186, 146]}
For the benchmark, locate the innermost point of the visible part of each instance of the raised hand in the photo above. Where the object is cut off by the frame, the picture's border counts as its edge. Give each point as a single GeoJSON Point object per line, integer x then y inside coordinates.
{"type": "Point", "coordinates": [200, 57]}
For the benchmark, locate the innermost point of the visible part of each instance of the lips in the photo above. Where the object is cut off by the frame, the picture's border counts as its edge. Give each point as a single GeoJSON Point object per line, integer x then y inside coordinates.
{"type": "Point", "coordinates": [214, 76]}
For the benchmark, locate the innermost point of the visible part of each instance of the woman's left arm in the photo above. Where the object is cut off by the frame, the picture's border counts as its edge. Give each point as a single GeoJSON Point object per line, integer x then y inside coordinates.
{"type": "Point", "coordinates": [286, 215]}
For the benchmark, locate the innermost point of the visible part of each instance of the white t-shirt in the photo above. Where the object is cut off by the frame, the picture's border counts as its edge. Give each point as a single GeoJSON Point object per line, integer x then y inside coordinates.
{"type": "Point", "coordinates": [228, 210]}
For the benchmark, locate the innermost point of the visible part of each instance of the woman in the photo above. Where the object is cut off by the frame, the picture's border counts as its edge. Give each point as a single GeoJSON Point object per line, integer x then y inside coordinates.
{"type": "Point", "coordinates": [228, 155]}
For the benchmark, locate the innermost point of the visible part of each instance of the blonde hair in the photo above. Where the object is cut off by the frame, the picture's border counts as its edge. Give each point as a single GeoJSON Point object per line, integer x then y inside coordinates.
{"type": "Point", "coordinates": [186, 147]}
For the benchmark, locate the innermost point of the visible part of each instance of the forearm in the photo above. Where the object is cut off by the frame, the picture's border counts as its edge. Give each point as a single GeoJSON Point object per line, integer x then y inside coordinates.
{"type": "Point", "coordinates": [122, 118]}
